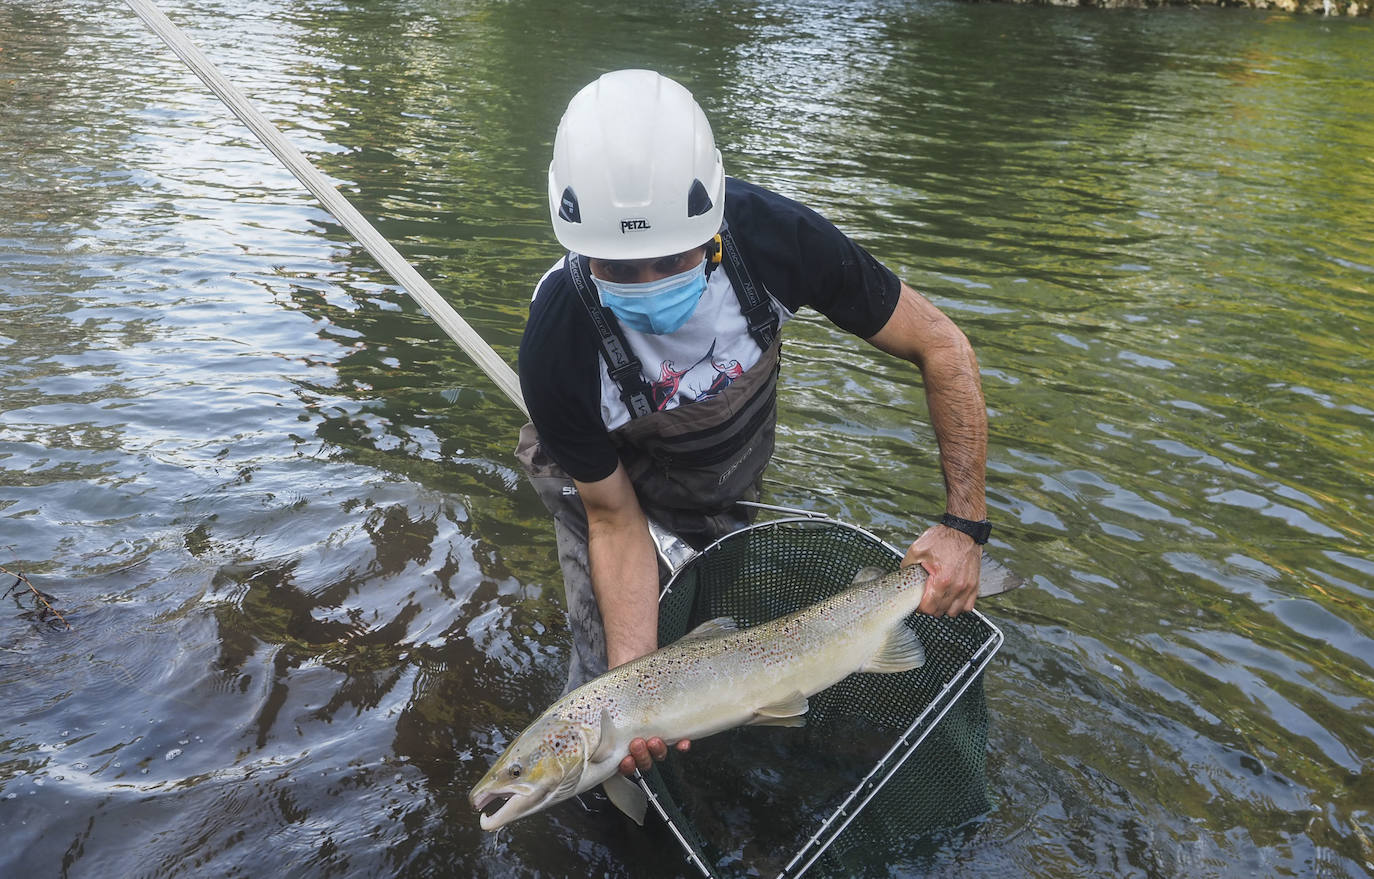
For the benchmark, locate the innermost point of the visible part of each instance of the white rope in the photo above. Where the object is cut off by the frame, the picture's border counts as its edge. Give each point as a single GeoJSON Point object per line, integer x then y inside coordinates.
{"type": "Point", "coordinates": [389, 258]}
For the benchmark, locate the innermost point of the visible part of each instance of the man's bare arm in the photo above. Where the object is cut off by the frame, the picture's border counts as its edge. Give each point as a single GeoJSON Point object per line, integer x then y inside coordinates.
{"type": "Point", "coordinates": [624, 569]}
{"type": "Point", "coordinates": [921, 333]}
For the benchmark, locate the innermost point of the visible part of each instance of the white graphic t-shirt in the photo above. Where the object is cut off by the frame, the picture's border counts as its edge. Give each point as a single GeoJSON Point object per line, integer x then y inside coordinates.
{"type": "Point", "coordinates": [793, 254]}
{"type": "Point", "coordinates": [698, 361]}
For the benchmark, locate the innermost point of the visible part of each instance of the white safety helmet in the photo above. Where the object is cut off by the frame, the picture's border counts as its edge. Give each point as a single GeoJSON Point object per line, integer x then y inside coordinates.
{"type": "Point", "coordinates": [635, 171]}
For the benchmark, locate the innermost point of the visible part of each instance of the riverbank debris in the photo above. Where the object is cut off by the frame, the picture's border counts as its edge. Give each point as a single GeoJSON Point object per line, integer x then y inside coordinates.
{"type": "Point", "coordinates": [43, 610]}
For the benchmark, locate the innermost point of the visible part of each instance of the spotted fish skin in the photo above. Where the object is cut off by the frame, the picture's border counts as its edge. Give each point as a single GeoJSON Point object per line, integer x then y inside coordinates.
{"type": "Point", "coordinates": [713, 679]}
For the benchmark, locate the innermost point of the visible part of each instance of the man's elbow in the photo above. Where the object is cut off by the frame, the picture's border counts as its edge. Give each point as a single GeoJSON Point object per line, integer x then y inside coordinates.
{"type": "Point", "coordinates": [960, 347]}
{"type": "Point", "coordinates": [946, 349]}
{"type": "Point", "coordinates": [611, 504]}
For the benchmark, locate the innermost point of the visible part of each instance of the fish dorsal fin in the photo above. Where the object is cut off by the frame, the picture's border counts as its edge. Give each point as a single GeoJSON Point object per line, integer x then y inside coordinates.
{"type": "Point", "coordinates": [788, 711]}
{"type": "Point", "coordinates": [902, 651]}
{"type": "Point", "coordinates": [627, 797]}
{"type": "Point", "coordinates": [872, 572]}
{"type": "Point", "coordinates": [711, 629]}
{"type": "Point", "coordinates": [605, 740]}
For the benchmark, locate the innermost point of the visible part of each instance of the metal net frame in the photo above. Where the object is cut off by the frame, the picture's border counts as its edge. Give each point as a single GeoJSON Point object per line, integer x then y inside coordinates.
{"type": "Point", "coordinates": [785, 802]}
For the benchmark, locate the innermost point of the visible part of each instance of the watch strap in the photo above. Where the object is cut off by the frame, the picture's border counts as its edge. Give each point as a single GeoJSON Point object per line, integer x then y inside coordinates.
{"type": "Point", "coordinates": [979, 531]}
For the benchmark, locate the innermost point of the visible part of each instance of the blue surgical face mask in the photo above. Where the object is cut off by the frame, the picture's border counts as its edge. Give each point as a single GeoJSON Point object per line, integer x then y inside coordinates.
{"type": "Point", "coordinates": [657, 307]}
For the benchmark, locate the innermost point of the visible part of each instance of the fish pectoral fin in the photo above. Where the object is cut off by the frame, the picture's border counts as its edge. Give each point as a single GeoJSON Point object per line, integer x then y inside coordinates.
{"type": "Point", "coordinates": [872, 572]}
{"type": "Point", "coordinates": [568, 786]}
{"type": "Point", "coordinates": [627, 797]}
{"type": "Point", "coordinates": [605, 738]}
{"type": "Point", "coordinates": [711, 628]}
{"type": "Point", "coordinates": [902, 651]}
{"type": "Point", "coordinates": [789, 711]}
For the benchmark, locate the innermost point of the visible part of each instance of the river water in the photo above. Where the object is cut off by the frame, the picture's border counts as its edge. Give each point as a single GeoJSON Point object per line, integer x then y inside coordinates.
{"type": "Point", "coordinates": [310, 597]}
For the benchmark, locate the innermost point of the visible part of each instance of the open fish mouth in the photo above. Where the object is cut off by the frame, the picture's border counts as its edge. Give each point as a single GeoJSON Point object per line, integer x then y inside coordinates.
{"type": "Point", "coordinates": [500, 806]}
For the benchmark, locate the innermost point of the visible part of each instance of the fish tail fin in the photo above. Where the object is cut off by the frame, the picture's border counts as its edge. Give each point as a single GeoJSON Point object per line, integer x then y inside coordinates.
{"type": "Point", "coordinates": [994, 578]}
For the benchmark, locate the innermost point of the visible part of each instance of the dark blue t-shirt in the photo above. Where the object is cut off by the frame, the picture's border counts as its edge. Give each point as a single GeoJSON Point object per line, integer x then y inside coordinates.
{"type": "Point", "coordinates": [797, 256]}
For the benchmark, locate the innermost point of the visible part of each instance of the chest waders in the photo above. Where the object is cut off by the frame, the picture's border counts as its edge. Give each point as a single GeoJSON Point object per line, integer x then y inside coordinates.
{"type": "Point", "coordinates": [689, 465]}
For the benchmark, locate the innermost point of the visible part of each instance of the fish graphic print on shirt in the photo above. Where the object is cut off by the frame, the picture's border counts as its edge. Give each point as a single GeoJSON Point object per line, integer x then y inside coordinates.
{"type": "Point", "coordinates": [700, 381]}
{"type": "Point", "coordinates": [701, 359]}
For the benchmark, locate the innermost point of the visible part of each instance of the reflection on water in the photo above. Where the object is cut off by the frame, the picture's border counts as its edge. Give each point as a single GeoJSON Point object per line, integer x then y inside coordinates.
{"type": "Point", "coordinates": [311, 598]}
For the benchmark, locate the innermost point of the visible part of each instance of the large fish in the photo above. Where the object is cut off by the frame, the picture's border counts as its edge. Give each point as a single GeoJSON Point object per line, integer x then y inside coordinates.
{"type": "Point", "coordinates": [714, 678]}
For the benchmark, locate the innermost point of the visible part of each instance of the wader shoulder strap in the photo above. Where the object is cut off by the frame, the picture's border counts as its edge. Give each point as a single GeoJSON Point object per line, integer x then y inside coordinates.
{"type": "Point", "coordinates": [753, 302]}
{"type": "Point", "coordinates": [623, 366]}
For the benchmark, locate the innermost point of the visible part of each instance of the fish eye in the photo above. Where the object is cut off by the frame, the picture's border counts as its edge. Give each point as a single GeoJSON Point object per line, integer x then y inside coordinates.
{"type": "Point", "coordinates": [515, 770]}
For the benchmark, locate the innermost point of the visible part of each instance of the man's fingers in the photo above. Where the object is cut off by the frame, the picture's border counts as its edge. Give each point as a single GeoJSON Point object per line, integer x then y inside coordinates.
{"type": "Point", "coordinates": [942, 598]}
{"type": "Point", "coordinates": [639, 758]}
{"type": "Point", "coordinates": [934, 604]}
{"type": "Point", "coordinates": [936, 600]}
{"type": "Point", "coordinates": [643, 754]}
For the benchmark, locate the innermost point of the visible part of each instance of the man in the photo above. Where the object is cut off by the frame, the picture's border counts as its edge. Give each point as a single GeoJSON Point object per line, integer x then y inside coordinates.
{"type": "Point", "coordinates": [650, 361]}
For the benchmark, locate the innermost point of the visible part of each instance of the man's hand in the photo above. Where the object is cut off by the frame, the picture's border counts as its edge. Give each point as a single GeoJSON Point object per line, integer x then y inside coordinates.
{"type": "Point", "coordinates": [643, 754]}
{"type": "Point", "coordinates": [952, 560]}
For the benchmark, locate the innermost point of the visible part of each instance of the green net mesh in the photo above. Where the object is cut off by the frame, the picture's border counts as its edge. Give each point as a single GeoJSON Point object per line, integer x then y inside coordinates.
{"type": "Point", "coordinates": [884, 759]}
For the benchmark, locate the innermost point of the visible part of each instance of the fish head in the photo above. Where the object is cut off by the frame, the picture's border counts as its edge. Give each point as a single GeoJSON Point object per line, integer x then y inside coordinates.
{"type": "Point", "coordinates": [543, 766]}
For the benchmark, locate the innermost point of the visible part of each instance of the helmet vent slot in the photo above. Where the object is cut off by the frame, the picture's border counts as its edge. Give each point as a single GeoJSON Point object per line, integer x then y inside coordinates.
{"type": "Point", "coordinates": [568, 209]}
{"type": "Point", "coordinates": [698, 202]}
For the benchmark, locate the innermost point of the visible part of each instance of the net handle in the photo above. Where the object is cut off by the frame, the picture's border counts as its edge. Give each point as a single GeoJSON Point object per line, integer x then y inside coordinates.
{"type": "Point", "coordinates": [339, 207]}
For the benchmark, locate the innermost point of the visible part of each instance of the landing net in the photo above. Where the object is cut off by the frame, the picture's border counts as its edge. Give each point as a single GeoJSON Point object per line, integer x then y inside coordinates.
{"type": "Point", "coordinates": [884, 760]}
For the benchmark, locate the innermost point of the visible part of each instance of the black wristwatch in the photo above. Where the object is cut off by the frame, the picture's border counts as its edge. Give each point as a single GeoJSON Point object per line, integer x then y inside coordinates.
{"type": "Point", "coordinates": [979, 531]}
